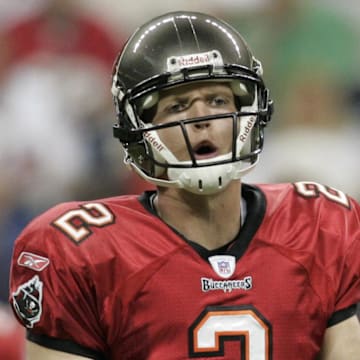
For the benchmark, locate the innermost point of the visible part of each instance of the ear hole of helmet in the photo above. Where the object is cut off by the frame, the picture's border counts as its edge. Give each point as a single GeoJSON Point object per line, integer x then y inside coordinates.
{"type": "Point", "coordinates": [137, 152]}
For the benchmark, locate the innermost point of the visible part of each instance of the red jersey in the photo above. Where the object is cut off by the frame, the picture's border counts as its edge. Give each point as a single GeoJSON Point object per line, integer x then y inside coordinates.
{"type": "Point", "coordinates": [110, 280]}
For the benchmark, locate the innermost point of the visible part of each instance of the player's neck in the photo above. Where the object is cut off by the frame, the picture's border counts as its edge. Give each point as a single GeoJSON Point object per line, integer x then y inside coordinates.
{"type": "Point", "coordinates": [211, 221]}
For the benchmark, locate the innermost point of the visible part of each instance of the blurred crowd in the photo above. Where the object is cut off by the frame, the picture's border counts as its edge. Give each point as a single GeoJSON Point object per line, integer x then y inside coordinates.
{"type": "Point", "coordinates": [56, 110]}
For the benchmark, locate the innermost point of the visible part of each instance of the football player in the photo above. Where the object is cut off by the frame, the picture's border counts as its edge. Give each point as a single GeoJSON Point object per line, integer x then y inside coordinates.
{"type": "Point", "coordinates": [206, 266]}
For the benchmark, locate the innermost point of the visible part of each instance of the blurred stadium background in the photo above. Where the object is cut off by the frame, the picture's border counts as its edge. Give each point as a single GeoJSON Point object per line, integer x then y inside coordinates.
{"type": "Point", "coordinates": [56, 110]}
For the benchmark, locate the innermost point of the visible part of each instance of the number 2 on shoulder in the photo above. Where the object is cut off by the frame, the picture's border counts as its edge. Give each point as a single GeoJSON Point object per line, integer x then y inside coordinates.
{"type": "Point", "coordinates": [76, 223]}
{"type": "Point", "coordinates": [310, 189]}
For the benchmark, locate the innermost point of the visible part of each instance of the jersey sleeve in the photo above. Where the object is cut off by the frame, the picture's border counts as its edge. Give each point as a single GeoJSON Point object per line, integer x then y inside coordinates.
{"type": "Point", "coordinates": [345, 271]}
{"type": "Point", "coordinates": [52, 291]}
{"type": "Point", "coordinates": [331, 238]}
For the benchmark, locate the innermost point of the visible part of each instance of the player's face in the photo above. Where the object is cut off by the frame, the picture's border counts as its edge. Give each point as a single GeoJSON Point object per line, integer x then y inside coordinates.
{"type": "Point", "coordinates": [208, 138]}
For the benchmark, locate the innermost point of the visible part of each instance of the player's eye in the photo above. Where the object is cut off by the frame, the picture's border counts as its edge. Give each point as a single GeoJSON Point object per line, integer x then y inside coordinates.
{"type": "Point", "coordinates": [176, 107]}
{"type": "Point", "coordinates": [218, 101]}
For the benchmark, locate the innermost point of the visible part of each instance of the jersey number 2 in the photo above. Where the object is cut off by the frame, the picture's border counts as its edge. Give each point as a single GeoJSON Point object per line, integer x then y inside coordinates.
{"type": "Point", "coordinates": [76, 224]}
{"type": "Point", "coordinates": [219, 324]}
{"type": "Point", "coordinates": [311, 189]}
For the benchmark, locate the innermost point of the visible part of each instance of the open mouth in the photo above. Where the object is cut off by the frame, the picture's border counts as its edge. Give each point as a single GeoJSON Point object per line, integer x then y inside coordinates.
{"type": "Point", "coordinates": [205, 150]}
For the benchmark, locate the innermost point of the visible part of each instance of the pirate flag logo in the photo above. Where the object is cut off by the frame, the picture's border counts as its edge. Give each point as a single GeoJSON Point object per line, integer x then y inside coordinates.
{"type": "Point", "coordinates": [27, 301]}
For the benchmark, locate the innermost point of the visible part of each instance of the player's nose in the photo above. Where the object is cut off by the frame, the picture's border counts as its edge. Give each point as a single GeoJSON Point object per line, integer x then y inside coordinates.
{"type": "Point", "coordinates": [200, 109]}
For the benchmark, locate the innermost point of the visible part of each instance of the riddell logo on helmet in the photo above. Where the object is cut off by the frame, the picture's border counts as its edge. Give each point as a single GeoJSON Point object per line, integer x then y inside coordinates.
{"type": "Point", "coordinates": [192, 60]}
{"type": "Point", "coordinates": [246, 129]}
{"type": "Point", "coordinates": [154, 142]}
{"type": "Point", "coordinates": [176, 63]}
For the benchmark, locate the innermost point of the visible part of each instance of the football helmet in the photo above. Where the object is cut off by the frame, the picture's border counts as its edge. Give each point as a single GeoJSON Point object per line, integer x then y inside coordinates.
{"type": "Point", "coordinates": [179, 48]}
